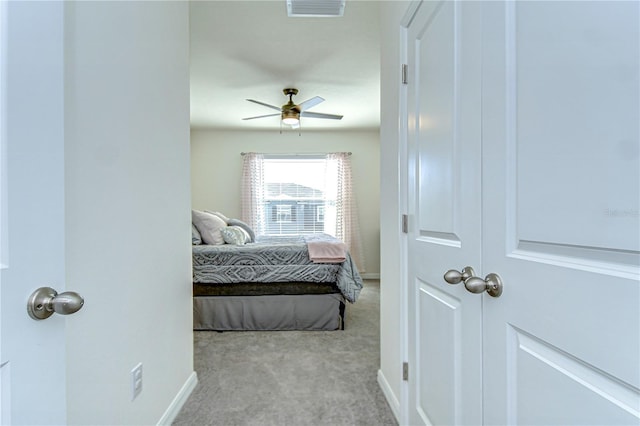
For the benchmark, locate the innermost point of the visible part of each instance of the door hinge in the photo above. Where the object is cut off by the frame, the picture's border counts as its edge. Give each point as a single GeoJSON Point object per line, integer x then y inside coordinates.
{"type": "Point", "coordinates": [405, 223]}
{"type": "Point", "coordinates": [405, 371]}
{"type": "Point", "coordinates": [405, 74]}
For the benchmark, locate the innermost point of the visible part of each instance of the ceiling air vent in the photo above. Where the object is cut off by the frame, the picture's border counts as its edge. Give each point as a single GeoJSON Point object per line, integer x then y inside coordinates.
{"type": "Point", "coordinates": [315, 8]}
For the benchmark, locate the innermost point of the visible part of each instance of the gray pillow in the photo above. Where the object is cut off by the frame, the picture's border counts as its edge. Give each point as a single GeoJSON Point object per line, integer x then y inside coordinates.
{"type": "Point", "coordinates": [209, 227]}
{"type": "Point", "coordinates": [241, 224]}
{"type": "Point", "coordinates": [196, 238]}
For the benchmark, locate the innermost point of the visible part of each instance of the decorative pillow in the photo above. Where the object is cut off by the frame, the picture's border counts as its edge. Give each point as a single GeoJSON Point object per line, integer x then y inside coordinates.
{"type": "Point", "coordinates": [247, 228]}
{"type": "Point", "coordinates": [220, 215]}
{"type": "Point", "coordinates": [247, 237]}
{"type": "Point", "coordinates": [234, 235]}
{"type": "Point", "coordinates": [209, 227]}
{"type": "Point", "coordinates": [195, 235]}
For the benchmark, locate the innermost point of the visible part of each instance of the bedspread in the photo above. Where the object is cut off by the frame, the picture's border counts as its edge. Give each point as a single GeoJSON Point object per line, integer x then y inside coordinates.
{"type": "Point", "coordinates": [272, 259]}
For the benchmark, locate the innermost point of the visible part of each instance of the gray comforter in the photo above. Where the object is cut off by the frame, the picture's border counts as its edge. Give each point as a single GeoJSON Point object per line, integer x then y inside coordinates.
{"type": "Point", "coordinates": [272, 259]}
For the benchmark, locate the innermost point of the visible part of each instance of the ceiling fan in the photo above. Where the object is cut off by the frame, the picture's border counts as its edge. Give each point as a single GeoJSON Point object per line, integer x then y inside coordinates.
{"type": "Point", "coordinates": [291, 113]}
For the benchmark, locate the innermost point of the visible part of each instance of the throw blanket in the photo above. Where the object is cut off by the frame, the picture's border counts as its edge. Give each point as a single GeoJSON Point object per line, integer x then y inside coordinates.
{"type": "Point", "coordinates": [327, 251]}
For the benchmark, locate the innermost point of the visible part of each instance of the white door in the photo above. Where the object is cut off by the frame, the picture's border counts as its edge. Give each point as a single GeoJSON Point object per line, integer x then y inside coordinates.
{"type": "Point", "coordinates": [445, 328]}
{"type": "Point", "coordinates": [31, 210]}
{"type": "Point", "coordinates": [549, 183]}
{"type": "Point", "coordinates": [561, 181]}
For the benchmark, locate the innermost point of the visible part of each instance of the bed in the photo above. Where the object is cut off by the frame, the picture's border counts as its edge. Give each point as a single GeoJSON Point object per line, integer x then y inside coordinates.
{"type": "Point", "coordinates": [274, 283]}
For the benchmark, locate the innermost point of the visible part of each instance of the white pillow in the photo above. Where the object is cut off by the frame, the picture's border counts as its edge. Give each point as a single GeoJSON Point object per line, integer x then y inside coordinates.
{"type": "Point", "coordinates": [235, 235]}
{"type": "Point", "coordinates": [220, 215]}
{"type": "Point", "coordinates": [209, 227]}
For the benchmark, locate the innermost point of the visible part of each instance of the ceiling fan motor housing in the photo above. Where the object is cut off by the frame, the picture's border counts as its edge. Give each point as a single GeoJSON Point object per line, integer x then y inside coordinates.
{"type": "Point", "coordinates": [290, 110]}
{"type": "Point", "coordinates": [290, 92]}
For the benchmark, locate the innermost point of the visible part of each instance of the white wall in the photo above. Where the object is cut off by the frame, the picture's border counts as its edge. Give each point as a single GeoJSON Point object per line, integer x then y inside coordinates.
{"type": "Point", "coordinates": [216, 167]}
{"type": "Point", "coordinates": [127, 208]}
{"type": "Point", "coordinates": [391, 239]}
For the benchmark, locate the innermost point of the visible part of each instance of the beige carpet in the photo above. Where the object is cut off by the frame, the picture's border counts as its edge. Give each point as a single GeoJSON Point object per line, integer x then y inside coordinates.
{"type": "Point", "coordinates": [292, 377]}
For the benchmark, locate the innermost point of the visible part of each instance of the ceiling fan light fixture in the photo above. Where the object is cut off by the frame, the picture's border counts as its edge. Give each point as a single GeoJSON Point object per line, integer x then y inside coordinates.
{"type": "Point", "coordinates": [290, 117]}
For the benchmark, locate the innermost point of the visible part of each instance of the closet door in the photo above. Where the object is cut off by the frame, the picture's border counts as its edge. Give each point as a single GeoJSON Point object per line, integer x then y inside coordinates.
{"type": "Point", "coordinates": [445, 329]}
{"type": "Point", "coordinates": [560, 187]}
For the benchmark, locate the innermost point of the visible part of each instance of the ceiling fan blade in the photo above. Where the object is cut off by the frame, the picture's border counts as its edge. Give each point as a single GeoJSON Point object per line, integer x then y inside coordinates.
{"type": "Point", "coordinates": [261, 116]}
{"type": "Point", "coordinates": [321, 115]}
{"type": "Point", "coordinates": [309, 103]}
{"type": "Point", "coordinates": [263, 104]}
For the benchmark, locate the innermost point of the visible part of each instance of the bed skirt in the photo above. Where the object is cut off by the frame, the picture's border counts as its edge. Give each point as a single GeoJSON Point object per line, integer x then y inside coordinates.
{"type": "Point", "coordinates": [269, 312]}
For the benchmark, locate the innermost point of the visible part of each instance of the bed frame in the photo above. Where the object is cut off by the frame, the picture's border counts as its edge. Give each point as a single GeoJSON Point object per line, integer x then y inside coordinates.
{"type": "Point", "coordinates": [268, 306]}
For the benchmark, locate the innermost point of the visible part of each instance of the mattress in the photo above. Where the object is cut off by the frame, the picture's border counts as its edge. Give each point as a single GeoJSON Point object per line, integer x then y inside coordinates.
{"type": "Point", "coordinates": [272, 260]}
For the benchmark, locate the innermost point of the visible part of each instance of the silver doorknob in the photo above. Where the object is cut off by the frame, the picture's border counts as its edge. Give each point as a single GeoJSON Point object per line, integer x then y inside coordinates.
{"type": "Point", "coordinates": [492, 284]}
{"type": "Point", "coordinates": [45, 301]}
{"type": "Point", "coordinates": [454, 277]}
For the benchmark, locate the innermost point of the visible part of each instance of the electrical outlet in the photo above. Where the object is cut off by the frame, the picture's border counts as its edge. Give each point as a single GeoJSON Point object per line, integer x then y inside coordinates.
{"type": "Point", "coordinates": [136, 381]}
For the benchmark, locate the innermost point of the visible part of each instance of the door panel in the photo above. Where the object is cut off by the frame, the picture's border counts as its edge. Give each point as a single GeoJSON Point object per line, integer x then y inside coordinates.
{"type": "Point", "coordinates": [570, 57]}
{"type": "Point", "coordinates": [435, 75]}
{"type": "Point", "coordinates": [560, 212]}
{"type": "Point", "coordinates": [553, 387]}
{"type": "Point", "coordinates": [443, 96]}
{"type": "Point", "coordinates": [440, 327]}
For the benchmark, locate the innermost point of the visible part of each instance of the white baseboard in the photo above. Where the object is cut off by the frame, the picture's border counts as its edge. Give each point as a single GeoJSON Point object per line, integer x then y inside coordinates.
{"type": "Point", "coordinates": [371, 276]}
{"type": "Point", "coordinates": [394, 403]}
{"type": "Point", "coordinates": [176, 405]}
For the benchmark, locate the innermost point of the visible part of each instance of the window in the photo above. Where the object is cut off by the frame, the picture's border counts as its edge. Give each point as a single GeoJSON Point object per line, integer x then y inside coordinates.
{"type": "Point", "coordinates": [294, 188]}
{"type": "Point", "coordinates": [285, 195]}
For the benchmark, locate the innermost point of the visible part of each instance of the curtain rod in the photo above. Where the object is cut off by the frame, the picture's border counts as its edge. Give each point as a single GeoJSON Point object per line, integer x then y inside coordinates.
{"type": "Point", "coordinates": [294, 153]}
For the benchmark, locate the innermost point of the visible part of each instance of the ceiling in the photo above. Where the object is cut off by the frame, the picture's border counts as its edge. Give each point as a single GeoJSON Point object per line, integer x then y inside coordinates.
{"type": "Point", "coordinates": [251, 50]}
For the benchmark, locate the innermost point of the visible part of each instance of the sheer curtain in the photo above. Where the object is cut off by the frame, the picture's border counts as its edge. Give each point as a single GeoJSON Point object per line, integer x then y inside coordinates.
{"type": "Point", "coordinates": [252, 191]}
{"type": "Point", "coordinates": [346, 220]}
{"type": "Point", "coordinates": [341, 218]}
